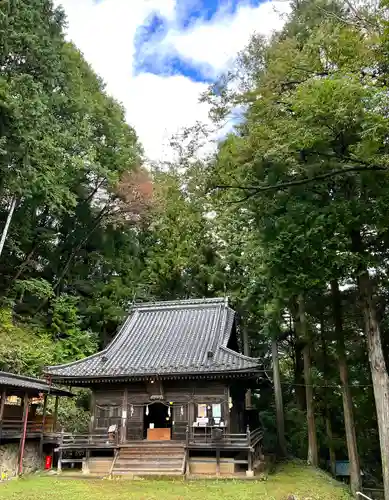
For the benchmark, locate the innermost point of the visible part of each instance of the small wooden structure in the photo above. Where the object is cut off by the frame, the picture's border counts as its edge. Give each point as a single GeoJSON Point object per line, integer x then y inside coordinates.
{"type": "Point", "coordinates": [172, 377]}
{"type": "Point", "coordinates": [19, 421]}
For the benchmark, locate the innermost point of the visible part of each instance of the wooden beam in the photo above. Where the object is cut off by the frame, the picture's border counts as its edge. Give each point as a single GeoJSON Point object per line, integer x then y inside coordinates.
{"type": "Point", "coordinates": [24, 433]}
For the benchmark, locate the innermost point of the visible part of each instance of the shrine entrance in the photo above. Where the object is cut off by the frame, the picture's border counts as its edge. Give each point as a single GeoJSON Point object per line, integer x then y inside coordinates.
{"type": "Point", "coordinates": [157, 422]}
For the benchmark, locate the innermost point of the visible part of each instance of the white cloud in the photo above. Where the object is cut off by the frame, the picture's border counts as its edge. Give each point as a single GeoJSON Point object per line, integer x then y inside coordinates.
{"type": "Point", "coordinates": [158, 106]}
{"type": "Point", "coordinates": [217, 42]}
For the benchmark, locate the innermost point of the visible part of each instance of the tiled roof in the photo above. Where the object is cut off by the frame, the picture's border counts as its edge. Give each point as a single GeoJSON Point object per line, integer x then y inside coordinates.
{"type": "Point", "coordinates": [29, 384]}
{"type": "Point", "coordinates": [185, 337]}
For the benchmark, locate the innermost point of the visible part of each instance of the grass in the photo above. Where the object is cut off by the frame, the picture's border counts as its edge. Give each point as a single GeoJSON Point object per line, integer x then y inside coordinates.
{"type": "Point", "coordinates": [301, 481]}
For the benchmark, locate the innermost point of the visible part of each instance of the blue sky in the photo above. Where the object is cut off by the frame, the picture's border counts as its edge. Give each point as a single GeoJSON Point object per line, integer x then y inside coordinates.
{"type": "Point", "coordinates": [189, 13]}
{"type": "Point", "coordinates": [158, 56]}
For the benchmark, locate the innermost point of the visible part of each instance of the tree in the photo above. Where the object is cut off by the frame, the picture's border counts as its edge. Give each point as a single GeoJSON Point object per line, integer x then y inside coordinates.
{"type": "Point", "coordinates": [302, 155]}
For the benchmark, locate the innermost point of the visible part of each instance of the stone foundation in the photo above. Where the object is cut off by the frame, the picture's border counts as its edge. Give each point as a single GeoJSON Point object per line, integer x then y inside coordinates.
{"type": "Point", "coordinates": [9, 458]}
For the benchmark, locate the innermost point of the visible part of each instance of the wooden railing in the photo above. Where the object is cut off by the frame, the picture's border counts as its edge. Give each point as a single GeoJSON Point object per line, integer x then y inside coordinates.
{"type": "Point", "coordinates": [255, 437]}
{"type": "Point", "coordinates": [207, 437]}
{"type": "Point", "coordinates": [255, 455]}
{"type": "Point", "coordinates": [362, 495]}
{"type": "Point", "coordinates": [10, 428]}
{"type": "Point", "coordinates": [88, 440]}
{"type": "Point", "coordinates": [13, 428]}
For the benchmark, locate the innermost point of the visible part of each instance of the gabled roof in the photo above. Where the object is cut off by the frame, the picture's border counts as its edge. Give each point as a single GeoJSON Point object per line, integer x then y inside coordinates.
{"type": "Point", "coordinates": [20, 383]}
{"type": "Point", "coordinates": [181, 338]}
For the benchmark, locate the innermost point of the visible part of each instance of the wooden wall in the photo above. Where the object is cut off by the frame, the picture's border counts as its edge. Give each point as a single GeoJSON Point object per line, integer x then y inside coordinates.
{"type": "Point", "coordinates": [110, 400]}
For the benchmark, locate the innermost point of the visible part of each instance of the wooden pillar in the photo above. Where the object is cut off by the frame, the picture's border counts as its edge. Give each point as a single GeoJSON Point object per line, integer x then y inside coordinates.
{"type": "Point", "coordinates": [2, 407]}
{"type": "Point", "coordinates": [45, 397]}
{"type": "Point", "coordinates": [55, 419]}
{"type": "Point", "coordinates": [59, 465]}
{"type": "Point", "coordinates": [92, 412]}
{"type": "Point", "coordinates": [226, 411]}
{"type": "Point", "coordinates": [250, 471]}
{"type": "Point", "coordinates": [85, 468]}
{"type": "Point", "coordinates": [123, 430]}
{"type": "Point", "coordinates": [217, 461]}
{"type": "Point", "coordinates": [24, 433]}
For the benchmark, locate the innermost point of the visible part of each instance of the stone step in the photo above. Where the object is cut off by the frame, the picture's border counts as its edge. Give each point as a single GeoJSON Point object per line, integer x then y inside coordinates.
{"type": "Point", "coordinates": [149, 471]}
{"type": "Point", "coordinates": [148, 442]}
{"type": "Point", "coordinates": [142, 460]}
{"type": "Point", "coordinates": [152, 448]}
{"type": "Point", "coordinates": [149, 454]}
{"type": "Point", "coordinates": [153, 465]}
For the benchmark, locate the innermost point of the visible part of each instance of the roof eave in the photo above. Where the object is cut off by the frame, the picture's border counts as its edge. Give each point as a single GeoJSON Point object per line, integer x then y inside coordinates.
{"type": "Point", "coordinates": [224, 374]}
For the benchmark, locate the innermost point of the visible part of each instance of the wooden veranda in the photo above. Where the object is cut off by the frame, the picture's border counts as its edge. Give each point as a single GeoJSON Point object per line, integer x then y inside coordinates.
{"type": "Point", "coordinates": [19, 420]}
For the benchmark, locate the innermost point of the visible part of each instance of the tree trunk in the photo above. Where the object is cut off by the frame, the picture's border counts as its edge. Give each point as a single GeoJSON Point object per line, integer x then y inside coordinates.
{"type": "Point", "coordinates": [313, 456]}
{"type": "Point", "coordinates": [298, 361]}
{"type": "Point", "coordinates": [7, 223]}
{"type": "Point", "coordinates": [351, 439]}
{"type": "Point", "coordinates": [299, 375]}
{"type": "Point", "coordinates": [379, 373]}
{"type": "Point", "coordinates": [327, 412]}
{"type": "Point", "coordinates": [246, 352]}
{"type": "Point", "coordinates": [278, 399]}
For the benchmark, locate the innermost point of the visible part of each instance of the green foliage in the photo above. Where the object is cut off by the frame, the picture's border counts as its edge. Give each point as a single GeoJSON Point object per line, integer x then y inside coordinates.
{"type": "Point", "coordinates": [22, 349]}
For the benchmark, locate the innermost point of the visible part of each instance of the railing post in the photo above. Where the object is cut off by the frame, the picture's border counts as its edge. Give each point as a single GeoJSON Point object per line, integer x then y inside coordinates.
{"type": "Point", "coordinates": [249, 472]}
{"type": "Point", "coordinates": [187, 435]}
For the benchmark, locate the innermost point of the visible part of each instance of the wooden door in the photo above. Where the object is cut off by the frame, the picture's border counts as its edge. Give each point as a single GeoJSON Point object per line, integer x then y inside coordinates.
{"type": "Point", "coordinates": [135, 422]}
{"type": "Point", "coordinates": [180, 422]}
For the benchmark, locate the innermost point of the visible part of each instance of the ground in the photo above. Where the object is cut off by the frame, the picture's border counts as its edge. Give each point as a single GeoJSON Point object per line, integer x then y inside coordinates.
{"type": "Point", "coordinates": [303, 482]}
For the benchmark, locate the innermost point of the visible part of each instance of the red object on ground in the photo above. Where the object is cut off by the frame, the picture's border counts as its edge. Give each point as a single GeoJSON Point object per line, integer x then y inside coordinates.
{"type": "Point", "coordinates": [48, 462]}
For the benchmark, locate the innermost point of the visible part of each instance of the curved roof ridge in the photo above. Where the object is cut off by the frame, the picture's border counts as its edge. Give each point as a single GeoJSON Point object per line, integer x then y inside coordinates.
{"type": "Point", "coordinates": [238, 354]}
{"type": "Point", "coordinates": [180, 303]}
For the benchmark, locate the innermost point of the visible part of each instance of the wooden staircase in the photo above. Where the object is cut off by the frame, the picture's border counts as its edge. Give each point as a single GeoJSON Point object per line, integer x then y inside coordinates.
{"type": "Point", "coordinates": [150, 458]}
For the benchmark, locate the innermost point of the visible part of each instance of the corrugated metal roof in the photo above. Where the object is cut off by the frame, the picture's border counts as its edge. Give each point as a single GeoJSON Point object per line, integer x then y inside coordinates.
{"type": "Point", "coordinates": [29, 384]}
{"type": "Point", "coordinates": [165, 338]}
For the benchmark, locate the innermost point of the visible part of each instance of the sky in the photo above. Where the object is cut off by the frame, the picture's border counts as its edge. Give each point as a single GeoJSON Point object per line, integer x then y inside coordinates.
{"type": "Point", "coordinates": [157, 56]}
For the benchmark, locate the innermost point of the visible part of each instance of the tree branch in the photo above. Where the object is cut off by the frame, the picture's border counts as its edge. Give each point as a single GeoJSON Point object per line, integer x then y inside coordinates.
{"type": "Point", "coordinates": [253, 190]}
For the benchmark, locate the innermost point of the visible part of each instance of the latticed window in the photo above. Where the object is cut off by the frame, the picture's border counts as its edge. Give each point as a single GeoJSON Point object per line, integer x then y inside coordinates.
{"type": "Point", "coordinates": [107, 415]}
